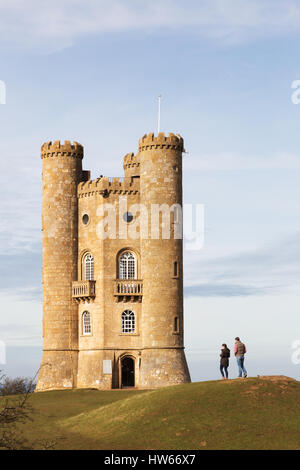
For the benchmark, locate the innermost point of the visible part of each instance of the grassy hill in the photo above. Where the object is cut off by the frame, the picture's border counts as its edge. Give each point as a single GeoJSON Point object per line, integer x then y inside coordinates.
{"type": "Point", "coordinates": [256, 413]}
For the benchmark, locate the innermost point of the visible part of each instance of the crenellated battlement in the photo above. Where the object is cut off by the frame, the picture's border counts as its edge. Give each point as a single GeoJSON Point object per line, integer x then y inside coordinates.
{"type": "Point", "coordinates": [130, 160]}
{"type": "Point", "coordinates": [151, 142]}
{"type": "Point", "coordinates": [56, 148]}
{"type": "Point", "coordinates": [106, 186]}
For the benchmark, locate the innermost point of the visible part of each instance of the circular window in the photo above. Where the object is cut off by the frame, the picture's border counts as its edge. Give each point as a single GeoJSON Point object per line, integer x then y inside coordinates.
{"type": "Point", "coordinates": [85, 219]}
{"type": "Point", "coordinates": [128, 217]}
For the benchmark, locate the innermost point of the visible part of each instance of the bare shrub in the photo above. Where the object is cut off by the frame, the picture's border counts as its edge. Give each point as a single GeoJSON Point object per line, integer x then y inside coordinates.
{"type": "Point", "coordinates": [16, 386]}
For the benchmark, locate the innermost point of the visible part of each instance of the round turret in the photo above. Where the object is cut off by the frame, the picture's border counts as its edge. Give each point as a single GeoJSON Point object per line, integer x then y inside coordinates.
{"type": "Point", "coordinates": [163, 361]}
{"type": "Point", "coordinates": [61, 173]}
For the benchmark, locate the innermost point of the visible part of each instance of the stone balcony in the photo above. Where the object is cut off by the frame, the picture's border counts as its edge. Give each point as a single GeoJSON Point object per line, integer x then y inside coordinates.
{"type": "Point", "coordinates": [84, 290]}
{"type": "Point", "coordinates": [128, 290]}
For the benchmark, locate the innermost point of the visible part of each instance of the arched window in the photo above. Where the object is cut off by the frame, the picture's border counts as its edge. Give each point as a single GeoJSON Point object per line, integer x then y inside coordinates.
{"type": "Point", "coordinates": [88, 267]}
{"type": "Point", "coordinates": [127, 266]}
{"type": "Point", "coordinates": [86, 323]}
{"type": "Point", "coordinates": [128, 322]}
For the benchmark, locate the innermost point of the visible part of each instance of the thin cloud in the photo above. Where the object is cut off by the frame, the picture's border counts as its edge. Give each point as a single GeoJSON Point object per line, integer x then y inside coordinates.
{"type": "Point", "coordinates": [222, 290]}
{"type": "Point", "coordinates": [228, 162]}
{"type": "Point", "coordinates": [20, 209]}
{"type": "Point", "coordinates": [21, 333]}
{"type": "Point", "coordinates": [58, 24]}
{"type": "Point", "coordinates": [21, 275]}
{"type": "Point", "coordinates": [268, 270]}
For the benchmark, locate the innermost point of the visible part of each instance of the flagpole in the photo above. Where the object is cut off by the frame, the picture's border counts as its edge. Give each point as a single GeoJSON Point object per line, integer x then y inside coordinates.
{"type": "Point", "coordinates": [158, 123]}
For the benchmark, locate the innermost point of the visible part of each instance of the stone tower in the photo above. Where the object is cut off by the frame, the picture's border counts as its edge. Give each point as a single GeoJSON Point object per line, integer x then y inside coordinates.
{"type": "Point", "coordinates": [161, 184]}
{"type": "Point", "coordinates": [113, 305]}
{"type": "Point", "coordinates": [61, 173]}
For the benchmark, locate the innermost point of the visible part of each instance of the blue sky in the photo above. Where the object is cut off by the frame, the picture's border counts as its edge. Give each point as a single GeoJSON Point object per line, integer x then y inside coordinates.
{"type": "Point", "coordinates": [91, 72]}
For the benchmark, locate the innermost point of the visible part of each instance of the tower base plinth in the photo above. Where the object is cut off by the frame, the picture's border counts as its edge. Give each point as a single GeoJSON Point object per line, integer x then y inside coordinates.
{"type": "Point", "coordinates": [163, 367]}
{"type": "Point", "coordinates": [58, 370]}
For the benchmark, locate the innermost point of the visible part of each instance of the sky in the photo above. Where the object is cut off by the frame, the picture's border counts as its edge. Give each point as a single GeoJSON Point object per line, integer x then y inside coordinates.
{"type": "Point", "coordinates": [91, 71]}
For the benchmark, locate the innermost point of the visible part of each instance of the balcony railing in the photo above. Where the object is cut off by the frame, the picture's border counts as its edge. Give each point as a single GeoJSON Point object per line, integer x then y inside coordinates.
{"type": "Point", "coordinates": [84, 290]}
{"type": "Point", "coordinates": [129, 288]}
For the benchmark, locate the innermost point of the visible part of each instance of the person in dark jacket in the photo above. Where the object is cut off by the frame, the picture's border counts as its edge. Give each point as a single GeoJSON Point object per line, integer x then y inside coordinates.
{"type": "Point", "coordinates": [224, 362]}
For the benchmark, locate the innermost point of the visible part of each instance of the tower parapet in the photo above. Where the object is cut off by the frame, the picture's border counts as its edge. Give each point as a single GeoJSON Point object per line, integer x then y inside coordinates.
{"type": "Point", "coordinates": [68, 149]}
{"type": "Point", "coordinates": [161, 141]}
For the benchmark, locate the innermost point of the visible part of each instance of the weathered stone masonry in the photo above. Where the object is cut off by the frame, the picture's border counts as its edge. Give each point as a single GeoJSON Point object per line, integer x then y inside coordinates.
{"type": "Point", "coordinates": [87, 342]}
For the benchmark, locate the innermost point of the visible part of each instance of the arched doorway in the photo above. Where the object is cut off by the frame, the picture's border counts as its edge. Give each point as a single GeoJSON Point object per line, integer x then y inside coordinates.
{"type": "Point", "coordinates": [127, 372]}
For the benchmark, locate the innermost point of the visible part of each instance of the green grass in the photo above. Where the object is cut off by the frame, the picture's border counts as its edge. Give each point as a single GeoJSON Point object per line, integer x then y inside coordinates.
{"type": "Point", "coordinates": [235, 414]}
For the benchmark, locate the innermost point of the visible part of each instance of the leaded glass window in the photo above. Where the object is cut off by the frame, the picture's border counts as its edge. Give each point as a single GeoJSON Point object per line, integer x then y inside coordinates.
{"type": "Point", "coordinates": [128, 322]}
{"type": "Point", "coordinates": [86, 323]}
{"type": "Point", "coordinates": [89, 267]}
{"type": "Point", "coordinates": [127, 266]}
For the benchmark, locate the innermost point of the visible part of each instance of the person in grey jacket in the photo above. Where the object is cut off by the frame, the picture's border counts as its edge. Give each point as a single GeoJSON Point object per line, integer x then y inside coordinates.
{"type": "Point", "coordinates": [239, 352]}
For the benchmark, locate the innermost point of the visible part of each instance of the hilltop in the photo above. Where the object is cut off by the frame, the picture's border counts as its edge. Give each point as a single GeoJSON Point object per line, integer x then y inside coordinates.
{"type": "Point", "coordinates": [256, 413]}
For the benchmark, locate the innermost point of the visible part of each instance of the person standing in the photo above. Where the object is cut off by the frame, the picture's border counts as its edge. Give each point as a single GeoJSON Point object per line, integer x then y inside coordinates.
{"type": "Point", "coordinates": [239, 352]}
{"type": "Point", "coordinates": [224, 362]}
